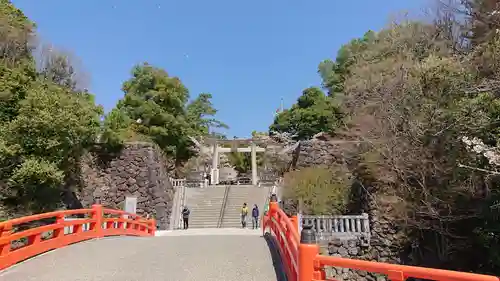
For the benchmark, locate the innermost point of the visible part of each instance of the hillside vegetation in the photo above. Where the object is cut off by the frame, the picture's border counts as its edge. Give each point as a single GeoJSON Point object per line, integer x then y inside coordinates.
{"type": "Point", "coordinates": [425, 98]}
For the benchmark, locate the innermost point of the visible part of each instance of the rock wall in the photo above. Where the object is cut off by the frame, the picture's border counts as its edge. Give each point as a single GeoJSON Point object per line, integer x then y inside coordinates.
{"type": "Point", "coordinates": [386, 237]}
{"type": "Point", "coordinates": [347, 249]}
{"type": "Point", "coordinates": [139, 169]}
{"type": "Point", "coordinates": [324, 150]}
{"type": "Point", "coordinates": [353, 248]}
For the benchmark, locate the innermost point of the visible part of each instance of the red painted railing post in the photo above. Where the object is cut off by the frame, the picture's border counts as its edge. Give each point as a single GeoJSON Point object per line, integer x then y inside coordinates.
{"type": "Point", "coordinates": [97, 214]}
{"type": "Point", "coordinates": [308, 251]}
{"type": "Point", "coordinates": [5, 230]}
{"type": "Point", "coordinates": [273, 208]}
{"type": "Point", "coordinates": [307, 255]}
{"type": "Point", "coordinates": [395, 275]}
{"type": "Point", "coordinates": [59, 232]}
{"type": "Point", "coordinates": [153, 226]}
{"type": "Point", "coordinates": [295, 222]}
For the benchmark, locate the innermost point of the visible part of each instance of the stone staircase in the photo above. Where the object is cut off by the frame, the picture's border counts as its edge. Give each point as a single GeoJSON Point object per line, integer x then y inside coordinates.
{"type": "Point", "coordinates": [239, 194]}
{"type": "Point", "coordinates": [205, 205]}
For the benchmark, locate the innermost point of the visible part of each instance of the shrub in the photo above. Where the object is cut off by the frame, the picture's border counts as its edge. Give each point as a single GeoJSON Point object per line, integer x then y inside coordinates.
{"type": "Point", "coordinates": [323, 191]}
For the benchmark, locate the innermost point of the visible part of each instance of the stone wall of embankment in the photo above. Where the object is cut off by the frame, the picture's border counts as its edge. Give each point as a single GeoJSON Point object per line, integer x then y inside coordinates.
{"type": "Point", "coordinates": [139, 170]}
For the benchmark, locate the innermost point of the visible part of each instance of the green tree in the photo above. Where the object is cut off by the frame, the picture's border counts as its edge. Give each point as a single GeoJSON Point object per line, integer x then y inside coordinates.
{"type": "Point", "coordinates": [314, 112]}
{"type": "Point", "coordinates": [333, 73]}
{"type": "Point", "coordinates": [217, 135]}
{"type": "Point", "coordinates": [16, 30]}
{"type": "Point", "coordinates": [17, 67]}
{"type": "Point", "coordinates": [155, 107]}
{"type": "Point", "coordinates": [44, 142]}
{"type": "Point", "coordinates": [242, 161]}
{"type": "Point", "coordinates": [200, 114]}
{"type": "Point", "coordinates": [155, 102]}
{"type": "Point", "coordinates": [44, 127]}
{"type": "Point", "coordinates": [256, 134]}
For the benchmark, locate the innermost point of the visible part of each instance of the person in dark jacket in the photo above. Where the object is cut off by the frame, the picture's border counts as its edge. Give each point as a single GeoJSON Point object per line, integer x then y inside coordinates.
{"type": "Point", "coordinates": [185, 217]}
{"type": "Point", "coordinates": [208, 178]}
{"type": "Point", "coordinates": [255, 217]}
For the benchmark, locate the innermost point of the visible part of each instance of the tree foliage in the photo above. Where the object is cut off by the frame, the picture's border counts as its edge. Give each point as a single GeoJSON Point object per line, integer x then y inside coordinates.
{"type": "Point", "coordinates": [334, 73]}
{"type": "Point", "coordinates": [411, 98]}
{"type": "Point", "coordinates": [45, 125]}
{"type": "Point", "coordinates": [156, 107]}
{"type": "Point", "coordinates": [313, 113]}
{"type": "Point", "coordinates": [242, 161]}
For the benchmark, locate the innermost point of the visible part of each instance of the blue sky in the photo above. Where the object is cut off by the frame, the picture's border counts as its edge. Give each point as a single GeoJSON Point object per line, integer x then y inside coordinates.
{"type": "Point", "coordinates": [248, 54]}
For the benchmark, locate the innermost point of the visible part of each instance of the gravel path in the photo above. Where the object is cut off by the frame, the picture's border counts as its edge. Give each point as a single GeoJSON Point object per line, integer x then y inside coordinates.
{"type": "Point", "coordinates": [168, 258]}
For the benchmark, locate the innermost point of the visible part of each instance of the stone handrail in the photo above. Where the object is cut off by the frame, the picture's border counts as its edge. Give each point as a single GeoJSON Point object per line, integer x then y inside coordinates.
{"type": "Point", "coordinates": [54, 230]}
{"type": "Point", "coordinates": [180, 206]}
{"type": "Point", "coordinates": [178, 203]}
{"type": "Point", "coordinates": [342, 226]}
{"type": "Point", "coordinates": [220, 221]}
{"type": "Point", "coordinates": [177, 182]}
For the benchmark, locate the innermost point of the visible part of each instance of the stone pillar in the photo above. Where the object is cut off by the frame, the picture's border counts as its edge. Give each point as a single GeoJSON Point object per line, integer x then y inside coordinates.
{"type": "Point", "coordinates": [215, 165]}
{"type": "Point", "coordinates": [254, 164]}
{"type": "Point", "coordinates": [299, 214]}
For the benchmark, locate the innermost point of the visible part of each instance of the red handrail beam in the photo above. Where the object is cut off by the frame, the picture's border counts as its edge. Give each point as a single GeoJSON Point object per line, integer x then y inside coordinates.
{"type": "Point", "coordinates": [402, 272]}
{"type": "Point", "coordinates": [128, 221]}
{"type": "Point", "coordinates": [304, 263]}
{"type": "Point", "coordinates": [99, 227]}
{"type": "Point", "coordinates": [285, 231]}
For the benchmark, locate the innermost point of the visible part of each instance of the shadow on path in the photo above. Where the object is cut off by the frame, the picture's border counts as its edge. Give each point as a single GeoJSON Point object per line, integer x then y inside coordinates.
{"type": "Point", "coordinates": [275, 254]}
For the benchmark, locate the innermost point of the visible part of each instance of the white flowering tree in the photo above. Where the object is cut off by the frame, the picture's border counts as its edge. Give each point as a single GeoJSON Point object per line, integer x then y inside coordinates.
{"type": "Point", "coordinates": [492, 154]}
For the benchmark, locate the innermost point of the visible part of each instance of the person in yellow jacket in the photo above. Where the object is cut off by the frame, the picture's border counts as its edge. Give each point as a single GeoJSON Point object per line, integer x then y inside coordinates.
{"type": "Point", "coordinates": [244, 214]}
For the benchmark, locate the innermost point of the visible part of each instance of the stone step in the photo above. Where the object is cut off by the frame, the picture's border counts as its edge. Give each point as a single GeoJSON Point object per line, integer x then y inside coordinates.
{"type": "Point", "coordinates": [199, 202]}
{"type": "Point", "coordinates": [205, 200]}
{"type": "Point", "coordinates": [200, 195]}
{"type": "Point", "coordinates": [207, 213]}
{"type": "Point", "coordinates": [204, 220]}
{"type": "Point", "coordinates": [205, 210]}
{"type": "Point", "coordinates": [196, 222]}
{"type": "Point", "coordinates": [202, 225]}
{"type": "Point", "coordinates": [205, 206]}
{"type": "Point", "coordinates": [205, 217]}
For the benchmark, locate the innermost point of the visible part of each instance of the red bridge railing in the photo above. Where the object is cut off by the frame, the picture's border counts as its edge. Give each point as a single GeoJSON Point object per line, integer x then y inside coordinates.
{"type": "Point", "coordinates": [302, 261]}
{"type": "Point", "coordinates": [97, 222]}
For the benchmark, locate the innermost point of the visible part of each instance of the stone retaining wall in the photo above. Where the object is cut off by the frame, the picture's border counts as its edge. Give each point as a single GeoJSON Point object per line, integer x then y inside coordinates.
{"type": "Point", "coordinates": [139, 170]}
{"type": "Point", "coordinates": [352, 248]}
{"type": "Point", "coordinates": [323, 150]}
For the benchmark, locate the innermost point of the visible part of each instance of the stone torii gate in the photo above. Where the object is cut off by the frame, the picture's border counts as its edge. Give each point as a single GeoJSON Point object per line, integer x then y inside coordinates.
{"type": "Point", "coordinates": [252, 147]}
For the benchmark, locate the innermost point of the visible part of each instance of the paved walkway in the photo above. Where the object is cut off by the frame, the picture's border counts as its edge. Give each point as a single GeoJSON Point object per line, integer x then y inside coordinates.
{"type": "Point", "coordinates": [176, 256]}
{"type": "Point", "coordinates": [210, 231]}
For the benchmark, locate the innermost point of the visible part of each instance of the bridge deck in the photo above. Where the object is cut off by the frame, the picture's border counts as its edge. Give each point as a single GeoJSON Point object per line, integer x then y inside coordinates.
{"type": "Point", "coordinates": [172, 257]}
